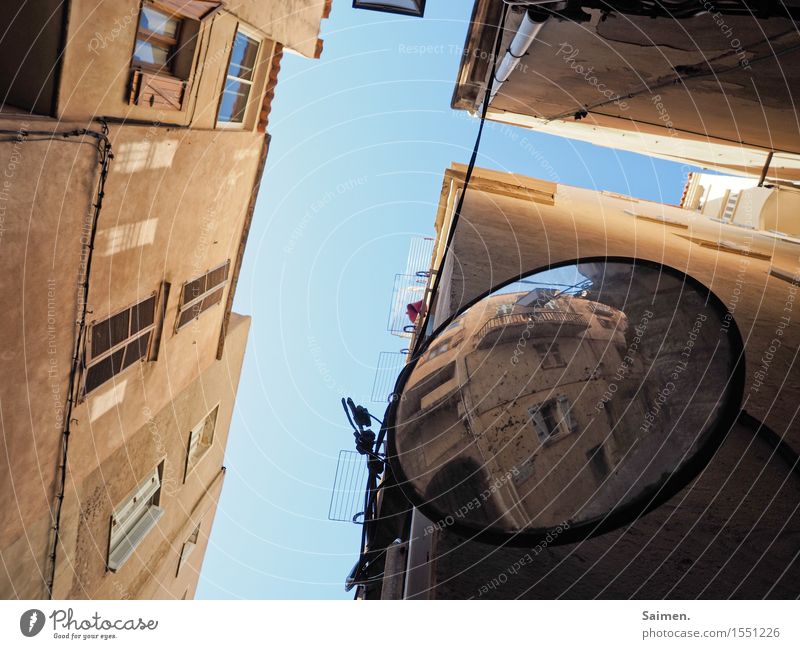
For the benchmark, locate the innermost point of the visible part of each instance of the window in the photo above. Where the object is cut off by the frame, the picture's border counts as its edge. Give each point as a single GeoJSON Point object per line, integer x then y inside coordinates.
{"type": "Point", "coordinates": [551, 355]}
{"type": "Point", "coordinates": [552, 418]}
{"type": "Point", "coordinates": [429, 384]}
{"type": "Point", "coordinates": [134, 518]}
{"type": "Point", "coordinates": [504, 309]}
{"type": "Point", "coordinates": [156, 38]}
{"type": "Point", "coordinates": [731, 199]}
{"type": "Point", "coordinates": [601, 310]}
{"type": "Point", "coordinates": [454, 324]}
{"type": "Point", "coordinates": [596, 458]}
{"type": "Point", "coordinates": [239, 82]}
{"type": "Point", "coordinates": [201, 294]}
{"type": "Point", "coordinates": [188, 547]}
{"type": "Point", "coordinates": [119, 341]}
{"type": "Point", "coordinates": [444, 346]}
{"type": "Point", "coordinates": [163, 53]}
{"type": "Point", "coordinates": [200, 439]}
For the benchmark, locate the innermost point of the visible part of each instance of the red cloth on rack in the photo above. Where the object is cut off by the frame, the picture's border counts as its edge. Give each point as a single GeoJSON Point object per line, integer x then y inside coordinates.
{"type": "Point", "coordinates": [414, 310]}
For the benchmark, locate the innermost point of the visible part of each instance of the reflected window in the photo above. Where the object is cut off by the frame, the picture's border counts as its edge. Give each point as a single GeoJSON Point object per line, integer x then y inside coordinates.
{"type": "Point", "coordinates": [551, 418]}
{"type": "Point", "coordinates": [444, 346]}
{"type": "Point", "coordinates": [425, 389]}
{"type": "Point", "coordinates": [601, 310]}
{"type": "Point", "coordinates": [239, 81]}
{"type": "Point", "coordinates": [454, 324]}
{"type": "Point", "coordinates": [596, 457]}
{"type": "Point", "coordinates": [550, 355]}
{"type": "Point", "coordinates": [201, 437]}
{"type": "Point", "coordinates": [188, 547]}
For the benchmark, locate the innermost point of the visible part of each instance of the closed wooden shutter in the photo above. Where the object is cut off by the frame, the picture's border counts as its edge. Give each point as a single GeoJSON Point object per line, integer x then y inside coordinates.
{"type": "Point", "coordinates": [202, 293]}
{"type": "Point", "coordinates": [155, 90]}
{"type": "Point", "coordinates": [196, 9]}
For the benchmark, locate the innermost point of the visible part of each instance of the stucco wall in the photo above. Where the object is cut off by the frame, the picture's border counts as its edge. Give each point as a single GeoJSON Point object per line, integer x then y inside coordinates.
{"type": "Point", "coordinates": [46, 191]}
{"type": "Point", "coordinates": [600, 61]}
{"type": "Point", "coordinates": [715, 91]}
{"type": "Point", "coordinates": [163, 221]}
{"type": "Point", "coordinates": [294, 23]}
{"type": "Point", "coordinates": [781, 211]}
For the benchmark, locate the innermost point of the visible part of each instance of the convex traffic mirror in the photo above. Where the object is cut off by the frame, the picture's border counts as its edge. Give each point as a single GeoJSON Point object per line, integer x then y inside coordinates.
{"type": "Point", "coordinates": [567, 402]}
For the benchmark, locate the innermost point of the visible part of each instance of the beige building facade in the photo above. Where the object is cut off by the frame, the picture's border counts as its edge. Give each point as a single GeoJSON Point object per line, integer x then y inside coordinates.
{"type": "Point", "coordinates": [132, 159]}
{"type": "Point", "coordinates": [768, 209]}
{"type": "Point", "coordinates": [712, 89]}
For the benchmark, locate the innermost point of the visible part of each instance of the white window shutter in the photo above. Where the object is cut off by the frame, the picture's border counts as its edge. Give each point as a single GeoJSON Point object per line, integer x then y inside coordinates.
{"type": "Point", "coordinates": [539, 424]}
{"type": "Point", "coordinates": [565, 414]}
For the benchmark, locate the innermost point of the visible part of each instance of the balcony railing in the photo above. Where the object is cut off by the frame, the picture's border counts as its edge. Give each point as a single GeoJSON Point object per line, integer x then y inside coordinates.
{"type": "Point", "coordinates": [502, 324]}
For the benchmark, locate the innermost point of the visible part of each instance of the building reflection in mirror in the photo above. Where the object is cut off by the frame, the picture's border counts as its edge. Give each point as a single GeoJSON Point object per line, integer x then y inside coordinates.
{"type": "Point", "coordinates": [562, 397]}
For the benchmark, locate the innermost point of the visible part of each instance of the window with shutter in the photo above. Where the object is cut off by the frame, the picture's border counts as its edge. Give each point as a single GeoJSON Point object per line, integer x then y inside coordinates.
{"type": "Point", "coordinates": [552, 418]}
{"type": "Point", "coordinates": [730, 206]}
{"type": "Point", "coordinates": [158, 91]}
{"type": "Point", "coordinates": [133, 518]}
{"type": "Point", "coordinates": [200, 294]}
{"type": "Point", "coordinates": [188, 547]}
{"type": "Point", "coordinates": [201, 437]}
{"type": "Point", "coordinates": [117, 342]}
{"type": "Point", "coordinates": [551, 355]}
{"type": "Point", "coordinates": [165, 42]}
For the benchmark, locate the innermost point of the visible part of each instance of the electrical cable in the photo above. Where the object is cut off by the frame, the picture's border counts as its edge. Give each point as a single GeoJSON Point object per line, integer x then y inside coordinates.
{"type": "Point", "coordinates": [467, 177]}
{"type": "Point", "coordinates": [370, 500]}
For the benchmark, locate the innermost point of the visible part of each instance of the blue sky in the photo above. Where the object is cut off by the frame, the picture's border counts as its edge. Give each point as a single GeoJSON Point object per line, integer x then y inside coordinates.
{"type": "Point", "coordinates": [361, 139]}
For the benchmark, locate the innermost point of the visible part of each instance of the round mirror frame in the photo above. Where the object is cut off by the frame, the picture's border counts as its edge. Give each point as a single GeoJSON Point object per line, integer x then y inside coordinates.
{"type": "Point", "coordinates": [620, 516]}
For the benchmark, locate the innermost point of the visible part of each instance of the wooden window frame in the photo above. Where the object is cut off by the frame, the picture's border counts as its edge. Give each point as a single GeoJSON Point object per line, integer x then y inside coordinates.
{"type": "Point", "coordinates": [198, 299]}
{"type": "Point", "coordinates": [145, 77]}
{"type": "Point", "coordinates": [91, 360]}
{"type": "Point", "coordinates": [251, 34]}
{"type": "Point", "coordinates": [148, 36]}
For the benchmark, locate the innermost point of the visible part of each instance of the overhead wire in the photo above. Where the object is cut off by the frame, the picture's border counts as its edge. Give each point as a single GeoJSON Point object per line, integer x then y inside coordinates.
{"type": "Point", "coordinates": [421, 337]}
